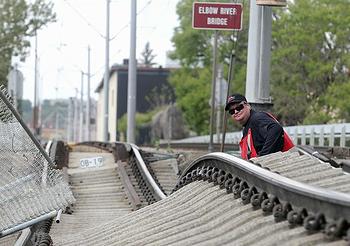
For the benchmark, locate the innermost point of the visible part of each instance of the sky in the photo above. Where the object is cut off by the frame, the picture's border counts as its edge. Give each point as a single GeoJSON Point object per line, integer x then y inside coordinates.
{"type": "Point", "coordinates": [63, 45]}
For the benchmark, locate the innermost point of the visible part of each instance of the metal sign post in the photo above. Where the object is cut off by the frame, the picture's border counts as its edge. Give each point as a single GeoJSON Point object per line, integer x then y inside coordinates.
{"type": "Point", "coordinates": [216, 16]}
{"type": "Point", "coordinates": [224, 125]}
{"type": "Point", "coordinates": [278, 3]}
{"type": "Point", "coordinates": [215, 46]}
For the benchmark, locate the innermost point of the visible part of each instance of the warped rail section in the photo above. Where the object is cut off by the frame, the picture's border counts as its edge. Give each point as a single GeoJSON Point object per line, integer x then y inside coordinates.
{"type": "Point", "coordinates": [122, 183]}
{"type": "Point", "coordinates": [287, 198]}
{"type": "Point", "coordinates": [108, 181]}
{"type": "Point", "coordinates": [290, 198]}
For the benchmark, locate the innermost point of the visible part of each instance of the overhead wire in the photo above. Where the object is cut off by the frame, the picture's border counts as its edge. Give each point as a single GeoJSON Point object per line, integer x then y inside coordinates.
{"type": "Point", "coordinates": [84, 19]}
{"type": "Point", "coordinates": [95, 29]}
{"type": "Point", "coordinates": [98, 32]}
{"type": "Point", "coordinates": [124, 27]}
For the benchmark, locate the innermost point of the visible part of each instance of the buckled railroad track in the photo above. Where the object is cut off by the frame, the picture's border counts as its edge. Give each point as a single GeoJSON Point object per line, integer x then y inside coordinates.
{"type": "Point", "coordinates": [109, 191]}
{"type": "Point", "coordinates": [289, 198]}
{"type": "Point", "coordinates": [221, 199]}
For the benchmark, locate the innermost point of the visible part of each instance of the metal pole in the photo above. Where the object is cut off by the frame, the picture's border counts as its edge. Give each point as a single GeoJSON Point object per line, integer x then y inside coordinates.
{"type": "Point", "coordinates": [15, 87]}
{"type": "Point", "coordinates": [219, 96]}
{"type": "Point", "coordinates": [251, 88]}
{"type": "Point", "coordinates": [259, 55]}
{"type": "Point", "coordinates": [88, 116]}
{"type": "Point", "coordinates": [106, 80]}
{"type": "Point", "coordinates": [35, 106]}
{"type": "Point", "coordinates": [58, 217]}
{"type": "Point", "coordinates": [56, 116]}
{"type": "Point", "coordinates": [230, 72]}
{"type": "Point", "coordinates": [70, 120]}
{"type": "Point", "coordinates": [224, 125]}
{"type": "Point", "coordinates": [81, 118]}
{"type": "Point", "coordinates": [132, 77]}
{"type": "Point", "coordinates": [27, 224]}
{"type": "Point", "coordinates": [265, 54]}
{"type": "Point", "coordinates": [56, 124]}
{"type": "Point", "coordinates": [210, 148]}
{"type": "Point", "coordinates": [75, 124]}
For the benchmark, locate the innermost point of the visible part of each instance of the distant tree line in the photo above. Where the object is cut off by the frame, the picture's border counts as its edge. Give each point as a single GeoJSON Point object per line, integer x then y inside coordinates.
{"type": "Point", "coordinates": [49, 109]}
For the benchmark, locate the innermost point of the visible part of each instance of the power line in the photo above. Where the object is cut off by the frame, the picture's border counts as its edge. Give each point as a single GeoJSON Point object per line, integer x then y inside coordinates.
{"type": "Point", "coordinates": [124, 27]}
{"type": "Point", "coordinates": [84, 19]}
{"type": "Point", "coordinates": [95, 29]}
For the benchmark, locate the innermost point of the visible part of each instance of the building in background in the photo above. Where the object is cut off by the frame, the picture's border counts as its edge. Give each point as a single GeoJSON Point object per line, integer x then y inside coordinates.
{"type": "Point", "coordinates": [150, 82]}
{"type": "Point", "coordinates": [15, 86]}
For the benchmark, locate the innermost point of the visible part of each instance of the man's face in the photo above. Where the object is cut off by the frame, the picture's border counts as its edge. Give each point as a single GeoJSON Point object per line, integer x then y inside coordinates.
{"type": "Point", "coordinates": [240, 112]}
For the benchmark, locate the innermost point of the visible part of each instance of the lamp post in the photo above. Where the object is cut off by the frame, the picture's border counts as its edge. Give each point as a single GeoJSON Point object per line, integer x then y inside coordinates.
{"type": "Point", "coordinates": [35, 104]}
{"type": "Point", "coordinates": [132, 77]}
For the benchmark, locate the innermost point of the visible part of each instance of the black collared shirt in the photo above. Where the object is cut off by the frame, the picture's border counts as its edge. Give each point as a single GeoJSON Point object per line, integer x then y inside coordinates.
{"type": "Point", "coordinates": [267, 133]}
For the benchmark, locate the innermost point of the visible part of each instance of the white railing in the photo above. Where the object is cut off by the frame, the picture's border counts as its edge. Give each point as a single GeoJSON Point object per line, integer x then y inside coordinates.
{"type": "Point", "coordinates": [315, 135]}
{"type": "Point", "coordinates": [321, 135]}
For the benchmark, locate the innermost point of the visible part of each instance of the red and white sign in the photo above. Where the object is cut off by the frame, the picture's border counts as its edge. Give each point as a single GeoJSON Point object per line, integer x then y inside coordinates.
{"type": "Point", "coordinates": [226, 16]}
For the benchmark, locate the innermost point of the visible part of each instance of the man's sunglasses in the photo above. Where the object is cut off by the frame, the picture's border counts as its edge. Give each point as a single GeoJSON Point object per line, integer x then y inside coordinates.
{"type": "Point", "coordinates": [238, 109]}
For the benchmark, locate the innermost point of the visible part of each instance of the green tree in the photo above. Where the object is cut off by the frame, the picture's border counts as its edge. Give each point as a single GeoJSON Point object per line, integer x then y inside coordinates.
{"type": "Point", "coordinates": [194, 49]}
{"type": "Point", "coordinates": [160, 96]}
{"type": "Point", "coordinates": [19, 20]}
{"type": "Point", "coordinates": [193, 93]}
{"type": "Point", "coordinates": [25, 109]}
{"type": "Point", "coordinates": [309, 69]}
{"type": "Point", "coordinates": [147, 56]}
{"type": "Point", "coordinates": [332, 107]}
{"type": "Point", "coordinates": [310, 60]}
{"type": "Point", "coordinates": [141, 120]}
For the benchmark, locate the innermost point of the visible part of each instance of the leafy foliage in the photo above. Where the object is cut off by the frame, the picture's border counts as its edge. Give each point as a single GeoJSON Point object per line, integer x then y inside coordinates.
{"type": "Point", "coordinates": [309, 67]}
{"type": "Point", "coordinates": [194, 49]}
{"type": "Point", "coordinates": [147, 56]}
{"type": "Point", "coordinates": [20, 20]}
{"type": "Point", "coordinates": [160, 96]}
{"type": "Point", "coordinates": [25, 110]}
{"type": "Point", "coordinates": [193, 93]}
{"type": "Point", "coordinates": [140, 120]}
{"type": "Point", "coordinates": [310, 60]}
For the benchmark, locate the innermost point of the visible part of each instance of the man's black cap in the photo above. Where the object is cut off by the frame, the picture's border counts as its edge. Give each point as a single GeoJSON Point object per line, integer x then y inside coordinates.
{"type": "Point", "coordinates": [234, 98]}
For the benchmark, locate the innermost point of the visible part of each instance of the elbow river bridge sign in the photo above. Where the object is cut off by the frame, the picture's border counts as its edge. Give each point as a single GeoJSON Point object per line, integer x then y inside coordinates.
{"type": "Point", "coordinates": [218, 16]}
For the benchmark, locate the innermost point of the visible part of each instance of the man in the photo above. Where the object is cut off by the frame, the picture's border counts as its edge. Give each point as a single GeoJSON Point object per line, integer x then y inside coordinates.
{"type": "Point", "coordinates": [262, 134]}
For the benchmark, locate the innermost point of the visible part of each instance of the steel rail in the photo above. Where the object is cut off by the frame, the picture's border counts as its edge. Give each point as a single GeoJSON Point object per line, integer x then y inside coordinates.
{"type": "Point", "coordinates": [146, 174]}
{"type": "Point", "coordinates": [331, 203]}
